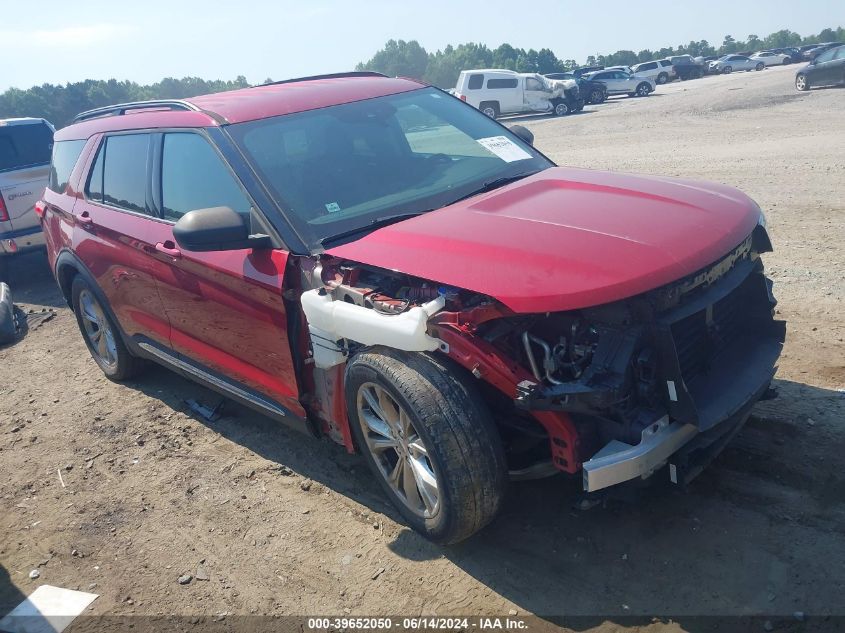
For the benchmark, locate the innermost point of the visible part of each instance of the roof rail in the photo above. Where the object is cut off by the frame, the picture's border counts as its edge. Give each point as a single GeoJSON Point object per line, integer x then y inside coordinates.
{"type": "Point", "coordinates": [354, 73]}
{"type": "Point", "coordinates": [122, 108]}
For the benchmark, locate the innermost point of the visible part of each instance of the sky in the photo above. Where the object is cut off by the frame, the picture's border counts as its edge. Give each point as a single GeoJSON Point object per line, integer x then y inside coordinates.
{"type": "Point", "coordinates": [147, 40]}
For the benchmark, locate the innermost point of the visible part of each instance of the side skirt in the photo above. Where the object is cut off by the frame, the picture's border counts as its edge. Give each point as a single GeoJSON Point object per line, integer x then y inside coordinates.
{"type": "Point", "coordinates": [223, 386]}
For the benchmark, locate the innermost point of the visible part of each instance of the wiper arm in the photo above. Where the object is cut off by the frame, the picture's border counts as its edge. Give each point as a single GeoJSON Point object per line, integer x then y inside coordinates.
{"type": "Point", "coordinates": [490, 185]}
{"type": "Point", "coordinates": [375, 224]}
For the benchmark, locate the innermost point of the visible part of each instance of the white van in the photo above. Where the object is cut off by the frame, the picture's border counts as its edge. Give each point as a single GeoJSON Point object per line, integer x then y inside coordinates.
{"type": "Point", "coordinates": [497, 91]}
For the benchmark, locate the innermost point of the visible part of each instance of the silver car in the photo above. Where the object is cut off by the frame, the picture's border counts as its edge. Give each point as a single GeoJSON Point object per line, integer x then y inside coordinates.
{"type": "Point", "coordinates": [730, 63]}
{"type": "Point", "coordinates": [25, 148]}
{"type": "Point", "coordinates": [619, 82]}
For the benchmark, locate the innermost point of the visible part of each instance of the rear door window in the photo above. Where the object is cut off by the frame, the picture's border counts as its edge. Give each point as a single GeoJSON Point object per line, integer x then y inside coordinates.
{"type": "Point", "coordinates": [65, 155]}
{"type": "Point", "coordinates": [119, 176]}
{"type": "Point", "coordinates": [501, 83]}
{"type": "Point", "coordinates": [193, 176]}
{"type": "Point", "coordinates": [25, 145]}
{"type": "Point", "coordinates": [475, 82]}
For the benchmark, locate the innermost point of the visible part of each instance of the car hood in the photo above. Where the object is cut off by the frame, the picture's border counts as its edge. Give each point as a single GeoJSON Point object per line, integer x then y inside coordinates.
{"type": "Point", "coordinates": [566, 238]}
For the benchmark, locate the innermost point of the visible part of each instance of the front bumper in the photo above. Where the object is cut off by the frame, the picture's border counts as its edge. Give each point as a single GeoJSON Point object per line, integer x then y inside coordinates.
{"type": "Point", "coordinates": [708, 349]}
{"type": "Point", "coordinates": [12, 242]}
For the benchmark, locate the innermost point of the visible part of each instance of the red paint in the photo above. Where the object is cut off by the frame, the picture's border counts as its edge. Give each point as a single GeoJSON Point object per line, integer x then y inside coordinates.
{"type": "Point", "coordinates": [247, 104]}
{"type": "Point", "coordinates": [566, 238]}
{"type": "Point", "coordinates": [487, 363]}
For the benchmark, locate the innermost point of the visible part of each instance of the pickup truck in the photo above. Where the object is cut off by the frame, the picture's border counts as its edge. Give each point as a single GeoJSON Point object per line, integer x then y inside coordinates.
{"type": "Point", "coordinates": [496, 92]}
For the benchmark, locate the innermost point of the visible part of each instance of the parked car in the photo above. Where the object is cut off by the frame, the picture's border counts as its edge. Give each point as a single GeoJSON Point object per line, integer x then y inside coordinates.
{"type": "Point", "coordinates": [729, 63]}
{"type": "Point", "coordinates": [619, 82]}
{"type": "Point", "coordinates": [793, 55]}
{"type": "Point", "coordinates": [686, 67]}
{"type": "Point", "coordinates": [656, 70]}
{"type": "Point", "coordinates": [828, 69]}
{"type": "Point", "coordinates": [624, 69]}
{"type": "Point", "coordinates": [25, 146]}
{"type": "Point", "coordinates": [368, 259]}
{"type": "Point", "coordinates": [496, 92]}
{"type": "Point", "coordinates": [580, 72]}
{"type": "Point", "coordinates": [817, 50]}
{"type": "Point", "coordinates": [590, 91]}
{"type": "Point", "coordinates": [770, 58]}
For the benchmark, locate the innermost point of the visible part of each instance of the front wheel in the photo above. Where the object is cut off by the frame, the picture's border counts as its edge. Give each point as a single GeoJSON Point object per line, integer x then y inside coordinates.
{"type": "Point", "coordinates": [759, 66]}
{"type": "Point", "coordinates": [428, 438]}
{"type": "Point", "coordinates": [562, 109]}
{"type": "Point", "coordinates": [643, 90]}
{"type": "Point", "coordinates": [727, 70]}
{"type": "Point", "coordinates": [801, 83]}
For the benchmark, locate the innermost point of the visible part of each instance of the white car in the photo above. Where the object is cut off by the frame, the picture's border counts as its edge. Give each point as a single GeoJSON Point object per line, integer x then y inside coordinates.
{"type": "Point", "coordinates": [25, 148]}
{"type": "Point", "coordinates": [729, 63]}
{"type": "Point", "coordinates": [619, 82]}
{"type": "Point", "coordinates": [661, 71]}
{"type": "Point", "coordinates": [497, 91]}
{"type": "Point", "coordinates": [771, 59]}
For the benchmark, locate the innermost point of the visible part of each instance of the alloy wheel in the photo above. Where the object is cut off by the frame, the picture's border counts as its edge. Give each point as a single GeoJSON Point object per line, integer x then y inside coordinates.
{"type": "Point", "coordinates": [398, 450]}
{"type": "Point", "coordinates": [97, 329]}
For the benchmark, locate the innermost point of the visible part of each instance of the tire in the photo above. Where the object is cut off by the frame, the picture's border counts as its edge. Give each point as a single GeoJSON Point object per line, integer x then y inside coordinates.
{"type": "Point", "coordinates": [107, 348]}
{"type": "Point", "coordinates": [598, 96]}
{"type": "Point", "coordinates": [456, 444]}
{"type": "Point", "coordinates": [662, 78]}
{"type": "Point", "coordinates": [561, 108]}
{"type": "Point", "coordinates": [643, 90]}
{"type": "Point", "coordinates": [760, 66]}
{"type": "Point", "coordinates": [802, 83]}
{"type": "Point", "coordinates": [490, 108]}
{"type": "Point", "coordinates": [727, 70]}
{"type": "Point", "coordinates": [8, 325]}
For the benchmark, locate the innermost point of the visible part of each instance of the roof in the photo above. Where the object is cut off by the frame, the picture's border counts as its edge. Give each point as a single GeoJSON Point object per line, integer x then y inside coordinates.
{"type": "Point", "coordinates": [248, 104]}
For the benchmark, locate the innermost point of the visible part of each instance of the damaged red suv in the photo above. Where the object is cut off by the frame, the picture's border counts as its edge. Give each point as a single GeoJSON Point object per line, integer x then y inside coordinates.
{"type": "Point", "coordinates": [372, 260]}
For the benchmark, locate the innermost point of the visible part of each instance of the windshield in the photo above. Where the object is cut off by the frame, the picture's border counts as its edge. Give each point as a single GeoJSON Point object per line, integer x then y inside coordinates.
{"type": "Point", "coordinates": [351, 166]}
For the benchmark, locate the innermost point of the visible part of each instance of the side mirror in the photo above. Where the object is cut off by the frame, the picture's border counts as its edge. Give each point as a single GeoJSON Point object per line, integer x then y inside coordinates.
{"type": "Point", "coordinates": [523, 132]}
{"type": "Point", "coordinates": [216, 229]}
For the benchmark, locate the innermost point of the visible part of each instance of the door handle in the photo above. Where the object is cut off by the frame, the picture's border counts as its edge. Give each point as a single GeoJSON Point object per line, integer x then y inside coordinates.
{"type": "Point", "coordinates": [85, 219]}
{"type": "Point", "coordinates": [169, 249]}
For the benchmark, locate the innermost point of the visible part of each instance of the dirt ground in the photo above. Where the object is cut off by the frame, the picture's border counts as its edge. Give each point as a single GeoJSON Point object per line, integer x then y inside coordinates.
{"type": "Point", "coordinates": [282, 524]}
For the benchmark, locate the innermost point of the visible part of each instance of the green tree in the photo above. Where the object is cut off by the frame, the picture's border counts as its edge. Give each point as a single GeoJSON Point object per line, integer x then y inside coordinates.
{"type": "Point", "coordinates": [399, 58]}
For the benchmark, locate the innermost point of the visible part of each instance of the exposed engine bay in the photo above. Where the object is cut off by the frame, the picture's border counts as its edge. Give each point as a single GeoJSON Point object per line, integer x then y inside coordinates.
{"type": "Point", "coordinates": [677, 361]}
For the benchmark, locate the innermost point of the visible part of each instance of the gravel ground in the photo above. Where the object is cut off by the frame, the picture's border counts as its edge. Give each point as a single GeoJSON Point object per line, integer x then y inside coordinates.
{"type": "Point", "coordinates": [282, 524]}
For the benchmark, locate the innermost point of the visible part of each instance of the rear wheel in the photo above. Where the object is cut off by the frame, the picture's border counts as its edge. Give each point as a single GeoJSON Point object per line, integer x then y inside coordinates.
{"type": "Point", "coordinates": [801, 83]}
{"type": "Point", "coordinates": [428, 438]}
{"type": "Point", "coordinates": [101, 334]}
{"type": "Point", "coordinates": [662, 78]}
{"type": "Point", "coordinates": [490, 108]}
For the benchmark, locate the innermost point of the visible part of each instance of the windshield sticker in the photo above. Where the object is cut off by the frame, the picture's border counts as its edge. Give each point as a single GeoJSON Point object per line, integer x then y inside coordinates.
{"type": "Point", "coordinates": [504, 148]}
{"type": "Point", "coordinates": [332, 207]}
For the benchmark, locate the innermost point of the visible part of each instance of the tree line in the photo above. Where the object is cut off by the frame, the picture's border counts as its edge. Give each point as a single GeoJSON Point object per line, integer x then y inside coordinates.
{"type": "Point", "coordinates": [441, 68]}
{"type": "Point", "coordinates": [60, 103]}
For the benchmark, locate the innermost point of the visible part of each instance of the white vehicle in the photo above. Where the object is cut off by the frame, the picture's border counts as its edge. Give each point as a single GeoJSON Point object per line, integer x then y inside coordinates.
{"type": "Point", "coordinates": [660, 71]}
{"type": "Point", "coordinates": [619, 83]}
{"type": "Point", "coordinates": [729, 63]}
{"type": "Point", "coordinates": [624, 69]}
{"type": "Point", "coordinates": [771, 59]}
{"type": "Point", "coordinates": [496, 92]}
{"type": "Point", "coordinates": [25, 148]}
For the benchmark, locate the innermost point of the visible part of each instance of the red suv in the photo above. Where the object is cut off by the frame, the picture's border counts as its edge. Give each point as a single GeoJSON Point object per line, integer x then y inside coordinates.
{"type": "Point", "coordinates": [373, 260]}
